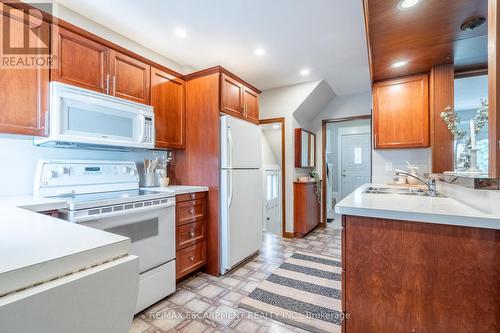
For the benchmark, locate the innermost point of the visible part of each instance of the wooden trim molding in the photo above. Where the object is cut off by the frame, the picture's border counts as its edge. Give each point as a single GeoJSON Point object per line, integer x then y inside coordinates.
{"type": "Point", "coordinates": [441, 92]}
{"type": "Point", "coordinates": [283, 177]}
{"type": "Point", "coordinates": [324, 122]}
{"type": "Point", "coordinates": [494, 87]}
{"type": "Point", "coordinates": [219, 69]}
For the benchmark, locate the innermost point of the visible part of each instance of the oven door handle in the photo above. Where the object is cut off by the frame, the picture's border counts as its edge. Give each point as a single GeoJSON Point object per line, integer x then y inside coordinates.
{"type": "Point", "coordinates": [88, 218]}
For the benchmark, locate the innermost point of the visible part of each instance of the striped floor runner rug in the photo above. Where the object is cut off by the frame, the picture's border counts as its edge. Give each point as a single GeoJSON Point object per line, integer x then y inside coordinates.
{"type": "Point", "coordinates": [303, 292]}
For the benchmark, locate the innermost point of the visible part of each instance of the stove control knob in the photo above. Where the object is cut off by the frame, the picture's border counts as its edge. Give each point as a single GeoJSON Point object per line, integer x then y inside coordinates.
{"type": "Point", "coordinates": [49, 174]}
{"type": "Point", "coordinates": [61, 170]}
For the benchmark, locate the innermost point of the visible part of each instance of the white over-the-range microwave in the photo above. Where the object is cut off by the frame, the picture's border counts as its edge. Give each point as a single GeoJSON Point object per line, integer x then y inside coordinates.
{"type": "Point", "coordinates": [85, 118]}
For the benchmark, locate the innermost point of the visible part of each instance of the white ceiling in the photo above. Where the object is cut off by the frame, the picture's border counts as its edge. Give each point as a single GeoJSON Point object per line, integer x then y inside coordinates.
{"type": "Point", "coordinates": [326, 36]}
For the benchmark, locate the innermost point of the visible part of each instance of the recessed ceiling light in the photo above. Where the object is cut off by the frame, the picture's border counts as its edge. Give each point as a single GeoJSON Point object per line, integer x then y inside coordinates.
{"type": "Point", "coordinates": [405, 4]}
{"type": "Point", "coordinates": [399, 64]}
{"type": "Point", "coordinates": [180, 32]}
{"type": "Point", "coordinates": [259, 51]}
{"type": "Point", "coordinates": [305, 72]}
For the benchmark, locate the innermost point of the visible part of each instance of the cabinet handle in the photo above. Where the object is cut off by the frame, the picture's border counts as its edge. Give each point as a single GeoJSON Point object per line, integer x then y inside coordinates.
{"type": "Point", "coordinates": [191, 258]}
{"type": "Point", "coordinates": [114, 85]}
{"type": "Point", "coordinates": [191, 210]}
{"type": "Point", "coordinates": [107, 84]}
{"type": "Point", "coordinates": [193, 196]}
{"type": "Point", "coordinates": [191, 234]}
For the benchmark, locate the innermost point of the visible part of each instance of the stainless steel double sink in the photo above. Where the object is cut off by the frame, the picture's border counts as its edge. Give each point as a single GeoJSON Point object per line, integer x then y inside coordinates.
{"type": "Point", "coordinates": [404, 191]}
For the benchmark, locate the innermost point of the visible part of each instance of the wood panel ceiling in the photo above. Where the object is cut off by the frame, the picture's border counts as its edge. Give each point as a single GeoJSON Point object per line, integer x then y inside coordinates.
{"type": "Point", "coordinates": [425, 35]}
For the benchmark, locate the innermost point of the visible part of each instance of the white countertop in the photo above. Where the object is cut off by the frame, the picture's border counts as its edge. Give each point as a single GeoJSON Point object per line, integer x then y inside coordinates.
{"type": "Point", "coordinates": [35, 247]}
{"type": "Point", "coordinates": [33, 203]}
{"type": "Point", "coordinates": [415, 208]}
{"type": "Point", "coordinates": [178, 189]}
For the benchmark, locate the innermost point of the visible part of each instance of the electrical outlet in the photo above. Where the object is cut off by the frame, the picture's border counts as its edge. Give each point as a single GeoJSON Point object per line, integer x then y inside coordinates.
{"type": "Point", "coordinates": [388, 166]}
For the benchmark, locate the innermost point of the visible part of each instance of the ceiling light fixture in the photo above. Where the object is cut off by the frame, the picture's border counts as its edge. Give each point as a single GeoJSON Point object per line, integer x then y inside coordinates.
{"type": "Point", "coordinates": [180, 32]}
{"type": "Point", "coordinates": [399, 64]}
{"type": "Point", "coordinates": [405, 4]}
{"type": "Point", "coordinates": [259, 51]}
{"type": "Point", "coordinates": [305, 72]}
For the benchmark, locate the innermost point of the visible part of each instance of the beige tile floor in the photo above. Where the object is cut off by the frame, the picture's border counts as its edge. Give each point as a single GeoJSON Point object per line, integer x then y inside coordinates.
{"type": "Point", "coordinates": [204, 303]}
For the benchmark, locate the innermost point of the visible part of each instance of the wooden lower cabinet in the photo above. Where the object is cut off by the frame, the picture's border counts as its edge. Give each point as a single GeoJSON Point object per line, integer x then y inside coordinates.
{"type": "Point", "coordinates": [190, 259]}
{"type": "Point", "coordinates": [306, 208]}
{"type": "Point", "coordinates": [190, 235]}
{"type": "Point", "coordinates": [402, 276]}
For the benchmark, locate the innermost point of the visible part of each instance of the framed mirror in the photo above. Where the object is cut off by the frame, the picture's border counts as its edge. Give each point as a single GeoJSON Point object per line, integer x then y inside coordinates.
{"type": "Point", "coordinates": [305, 149]}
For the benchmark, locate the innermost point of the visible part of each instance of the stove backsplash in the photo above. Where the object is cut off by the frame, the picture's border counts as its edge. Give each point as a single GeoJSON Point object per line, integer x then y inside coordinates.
{"type": "Point", "coordinates": [19, 158]}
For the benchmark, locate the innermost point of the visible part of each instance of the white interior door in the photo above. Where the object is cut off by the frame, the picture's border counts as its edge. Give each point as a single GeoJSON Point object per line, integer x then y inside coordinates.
{"type": "Point", "coordinates": [272, 195]}
{"type": "Point", "coordinates": [355, 161]}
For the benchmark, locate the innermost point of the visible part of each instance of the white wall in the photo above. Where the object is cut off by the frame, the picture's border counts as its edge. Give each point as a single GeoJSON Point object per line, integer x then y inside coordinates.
{"type": "Point", "coordinates": [268, 156]}
{"type": "Point", "coordinates": [383, 161]}
{"type": "Point", "coordinates": [283, 102]}
{"type": "Point", "coordinates": [19, 159]}
{"type": "Point", "coordinates": [273, 137]}
{"type": "Point", "coordinates": [101, 31]}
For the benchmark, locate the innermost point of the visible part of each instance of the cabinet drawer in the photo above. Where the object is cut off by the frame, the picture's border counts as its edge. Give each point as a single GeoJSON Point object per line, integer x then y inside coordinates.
{"type": "Point", "coordinates": [189, 234]}
{"type": "Point", "coordinates": [190, 259]}
{"type": "Point", "coordinates": [191, 211]}
{"type": "Point", "coordinates": [190, 196]}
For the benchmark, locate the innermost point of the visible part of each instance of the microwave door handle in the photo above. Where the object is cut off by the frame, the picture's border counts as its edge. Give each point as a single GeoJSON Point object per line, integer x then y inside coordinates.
{"type": "Point", "coordinates": [144, 131]}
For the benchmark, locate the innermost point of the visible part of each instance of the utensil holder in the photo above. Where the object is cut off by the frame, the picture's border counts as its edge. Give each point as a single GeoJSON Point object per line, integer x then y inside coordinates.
{"type": "Point", "coordinates": [150, 179]}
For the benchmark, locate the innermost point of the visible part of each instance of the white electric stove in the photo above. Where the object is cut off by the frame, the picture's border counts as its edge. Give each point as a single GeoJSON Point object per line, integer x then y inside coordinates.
{"type": "Point", "coordinates": [105, 195]}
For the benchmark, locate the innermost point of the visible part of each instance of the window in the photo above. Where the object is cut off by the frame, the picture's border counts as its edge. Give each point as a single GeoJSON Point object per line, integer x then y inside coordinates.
{"type": "Point", "coordinates": [272, 187]}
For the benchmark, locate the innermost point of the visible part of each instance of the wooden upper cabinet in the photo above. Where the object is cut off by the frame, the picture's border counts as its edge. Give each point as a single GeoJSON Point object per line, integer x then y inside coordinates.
{"type": "Point", "coordinates": [83, 62]}
{"type": "Point", "coordinates": [23, 91]}
{"type": "Point", "coordinates": [238, 100]}
{"type": "Point", "coordinates": [401, 113]}
{"type": "Point", "coordinates": [130, 78]}
{"type": "Point", "coordinates": [168, 95]}
{"type": "Point", "coordinates": [231, 96]}
{"type": "Point", "coordinates": [79, 61]}
{"type": "Point", "coordinates": [251, 104]}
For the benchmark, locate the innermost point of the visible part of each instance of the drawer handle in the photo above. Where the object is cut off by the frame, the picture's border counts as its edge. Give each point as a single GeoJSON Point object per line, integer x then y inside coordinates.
{"type": "Point", "coordinates": [191, 258]}
{"type": "Point", "coordinates": [193, 196]}
{"type": "Point", "coordinates": [191, 210]}
{"type": "Point", "coordinates": [191, 234]}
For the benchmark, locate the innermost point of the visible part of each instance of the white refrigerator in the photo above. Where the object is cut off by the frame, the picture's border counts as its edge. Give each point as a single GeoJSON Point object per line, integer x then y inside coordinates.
{"type": "Point", "coordinates": [241, 191]}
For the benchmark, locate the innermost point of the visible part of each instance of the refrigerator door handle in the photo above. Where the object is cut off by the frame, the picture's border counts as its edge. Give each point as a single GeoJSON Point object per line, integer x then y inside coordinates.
{"type": "Point", "coordinates": [230, 146]}
{"type": "Point", "coordinates": [230, 186]}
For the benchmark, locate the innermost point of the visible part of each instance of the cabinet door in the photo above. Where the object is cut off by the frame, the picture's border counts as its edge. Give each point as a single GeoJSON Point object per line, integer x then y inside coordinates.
{"type": "Point", "coordinates": [231, 96]}
{"type": "Point", "coordinates": [168, 99]}
{"type": "Point", "coordinates": [251, 103]}
{"type": "Point", "coordinates": [23, 91]}
{"type": "Point", "coordinates": [130, 78]}
{"type": "Point", "coordinates": [401, 113]}
{"type": "Point", "coordinates": [79, 61]}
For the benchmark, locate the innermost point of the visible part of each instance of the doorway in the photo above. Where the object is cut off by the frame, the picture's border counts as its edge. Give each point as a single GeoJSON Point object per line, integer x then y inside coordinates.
{"type": "Point", "coordinates": [273, 170]}
{"type": "Point", "coordinates": [346, 161]}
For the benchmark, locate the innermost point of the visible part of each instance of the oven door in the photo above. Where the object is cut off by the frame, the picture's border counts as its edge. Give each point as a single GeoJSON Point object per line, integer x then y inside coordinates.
{"type": "Point", "coordinates": [152, 234]}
